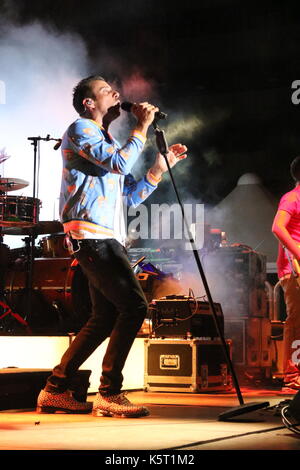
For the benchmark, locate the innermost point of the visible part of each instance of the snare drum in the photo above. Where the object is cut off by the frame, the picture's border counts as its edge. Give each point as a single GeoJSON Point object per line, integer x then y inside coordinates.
{"type": "Point", "coordinates": [19, 211]}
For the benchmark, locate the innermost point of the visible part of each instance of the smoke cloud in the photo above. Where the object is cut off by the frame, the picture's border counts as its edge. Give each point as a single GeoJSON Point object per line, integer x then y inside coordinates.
{"type": "Point", "coordinates": [137, 88]}
{"type": "Point", "coordinates": [39, 67]}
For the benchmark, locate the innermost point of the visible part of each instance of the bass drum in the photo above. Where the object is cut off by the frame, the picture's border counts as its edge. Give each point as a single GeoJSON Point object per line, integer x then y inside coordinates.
{"type": "Point", "coordinates": [60, 301]}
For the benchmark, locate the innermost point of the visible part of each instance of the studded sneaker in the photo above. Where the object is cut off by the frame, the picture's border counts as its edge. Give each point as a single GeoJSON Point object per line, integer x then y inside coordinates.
{"type": "Point", "coordinates": [118, 406]}
{"type": "Point", "coordinates": [51, 402]}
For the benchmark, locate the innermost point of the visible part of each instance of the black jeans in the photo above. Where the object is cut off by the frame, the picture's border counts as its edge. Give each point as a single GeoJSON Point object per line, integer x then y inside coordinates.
{"type": "Point", "coordinates": [118, 310]}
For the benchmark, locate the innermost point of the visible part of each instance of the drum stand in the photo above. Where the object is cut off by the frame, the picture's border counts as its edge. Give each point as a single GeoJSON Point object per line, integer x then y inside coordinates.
{"type": "Point", "coordinates": [2, 264]}
{"type": "Point", "coordinates": [2, 261]}
{"type": "Point", "coordinates": [243, 408]}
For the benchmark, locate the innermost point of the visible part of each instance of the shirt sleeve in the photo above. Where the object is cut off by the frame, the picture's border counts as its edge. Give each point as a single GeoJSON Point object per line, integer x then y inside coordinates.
{"type": "Point", "coordinates": [138, 191]}
{"type": "Point", "coordinates": [289, 203]}
{"type": "Point", "coordinates": [88, 141]}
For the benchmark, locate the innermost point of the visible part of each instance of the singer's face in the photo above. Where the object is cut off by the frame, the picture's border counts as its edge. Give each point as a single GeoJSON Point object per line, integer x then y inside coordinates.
{"type": "Point", "coordinates": [106, 98]}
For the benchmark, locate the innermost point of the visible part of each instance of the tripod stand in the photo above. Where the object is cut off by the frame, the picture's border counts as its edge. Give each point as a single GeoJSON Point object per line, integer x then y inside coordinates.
{"type": "Point", "coordinates": [243, 408]}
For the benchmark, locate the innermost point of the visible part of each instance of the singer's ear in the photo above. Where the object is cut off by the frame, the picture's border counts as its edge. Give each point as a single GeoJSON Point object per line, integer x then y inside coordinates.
{"type": "Point", "coordinates": [87, 101]}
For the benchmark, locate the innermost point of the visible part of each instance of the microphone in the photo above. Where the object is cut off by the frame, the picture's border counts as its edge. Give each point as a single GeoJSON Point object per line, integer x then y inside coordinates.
{"type": "Point", "coordinates": [57, 145]}
{"type": "Point", "coordinates": [126, 106]}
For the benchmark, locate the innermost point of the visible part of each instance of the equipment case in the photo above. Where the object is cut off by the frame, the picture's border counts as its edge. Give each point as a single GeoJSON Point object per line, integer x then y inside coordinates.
{"type": "Point", "coordinates": [180, 365]}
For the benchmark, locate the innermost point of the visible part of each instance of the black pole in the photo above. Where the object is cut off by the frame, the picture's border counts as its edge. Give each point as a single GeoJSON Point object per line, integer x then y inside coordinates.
{"type": "Point", "coordinates": [244, 408]}
{"type": "Point", "coordinates": [29, 281]}
{"type": "Point", "coordinates": [29, 278]}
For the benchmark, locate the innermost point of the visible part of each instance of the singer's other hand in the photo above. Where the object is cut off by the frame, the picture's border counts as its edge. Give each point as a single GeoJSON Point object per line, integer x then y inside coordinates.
{"type": "Point", "coordinates": [145, 113]}
{"type": "Point", "coordinates": [176, 153]}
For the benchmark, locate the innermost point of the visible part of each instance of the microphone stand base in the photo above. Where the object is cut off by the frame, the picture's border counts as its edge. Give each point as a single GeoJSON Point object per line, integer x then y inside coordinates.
{"type": "Point", "coordinates": [242, 409]}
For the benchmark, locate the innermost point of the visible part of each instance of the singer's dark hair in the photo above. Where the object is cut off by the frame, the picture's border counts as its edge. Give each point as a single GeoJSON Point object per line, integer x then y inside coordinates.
{"type": "Point", "coordinates": [295, 169]}
{"type": "Point", "coordinates": [83, 90]}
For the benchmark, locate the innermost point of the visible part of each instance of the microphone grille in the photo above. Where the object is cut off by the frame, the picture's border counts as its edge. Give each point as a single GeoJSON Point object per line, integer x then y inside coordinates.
{"type": "Point", "coordinates": [126, 106]}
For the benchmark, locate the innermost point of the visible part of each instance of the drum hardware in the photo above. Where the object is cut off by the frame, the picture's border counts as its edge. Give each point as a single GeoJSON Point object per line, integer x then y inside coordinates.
{"type": "Point", "coordinates": [40, 228]}
{"type": "Point", "coordinates": [4, 262]}
{"type": "Point", "coordinates": [19, 215]}
{"type": "Point", "coordinates": [14, 211]}
{"type": "Point", "coordinates": [5, 309]}
{"type": "Point", "coordinates": [21, 254]}
{"type": "Point", "coordinates": [3, 156]}
{"type": "Point", "coordinates": [54, 246]}
{"type": "Point", "coordinates": [35, 142]}
{"type": "Point", "coordinates": [8, 311]}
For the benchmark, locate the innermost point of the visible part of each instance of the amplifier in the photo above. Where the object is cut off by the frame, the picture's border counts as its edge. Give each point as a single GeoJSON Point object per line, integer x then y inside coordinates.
{"type": "Point", "coordinates": [184, 317]}
{"type": "Point", "coordinates": [237, 278]}
{"type": "Point", "coordinates": [195, 366]}
{"type": "Point", "coordinates": [252, 343]}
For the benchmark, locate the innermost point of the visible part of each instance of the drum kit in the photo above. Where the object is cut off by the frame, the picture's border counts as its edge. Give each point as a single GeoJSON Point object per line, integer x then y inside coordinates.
{"type": "Point", "coordinates": [43, 285]}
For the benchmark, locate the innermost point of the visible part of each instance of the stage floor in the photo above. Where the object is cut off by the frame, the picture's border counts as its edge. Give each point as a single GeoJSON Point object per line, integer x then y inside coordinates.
{"type": "Point", "coordinates": [178, 422]}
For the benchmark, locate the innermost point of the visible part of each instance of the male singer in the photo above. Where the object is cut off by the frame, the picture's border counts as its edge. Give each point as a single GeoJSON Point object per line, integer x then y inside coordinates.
{"type": "Point", "coordinates": [96, 180]}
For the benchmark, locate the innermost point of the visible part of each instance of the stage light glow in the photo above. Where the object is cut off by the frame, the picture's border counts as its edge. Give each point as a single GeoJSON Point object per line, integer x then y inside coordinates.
{"type": "Point", "coordinates": [39, 68]}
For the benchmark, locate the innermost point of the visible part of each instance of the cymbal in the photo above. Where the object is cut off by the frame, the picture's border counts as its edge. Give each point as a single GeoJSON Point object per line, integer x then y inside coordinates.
{"type": "Point", "coordinates": [41, 228]}
{"type": "Point", "coordinates": [12, 184]}
{"type": "Point", "coordinates": [3, 157]}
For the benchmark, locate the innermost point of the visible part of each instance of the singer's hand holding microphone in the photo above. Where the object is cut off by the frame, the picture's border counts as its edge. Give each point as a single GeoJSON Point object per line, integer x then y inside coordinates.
{"type": "Point", "coordinates": [127, 106]}
{"type": "Point", "coordinates": [146, 113]}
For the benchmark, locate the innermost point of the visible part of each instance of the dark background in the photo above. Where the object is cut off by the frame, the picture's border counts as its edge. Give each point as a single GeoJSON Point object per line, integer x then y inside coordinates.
{"type": "Point", "coordinates": [233, 59]}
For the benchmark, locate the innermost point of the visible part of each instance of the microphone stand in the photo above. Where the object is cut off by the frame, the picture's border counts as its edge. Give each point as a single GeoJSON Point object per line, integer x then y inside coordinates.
{"type": "Point", "coordinates": [31, 242]}
{"type": "Point", "coordinates": [243, 408]}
